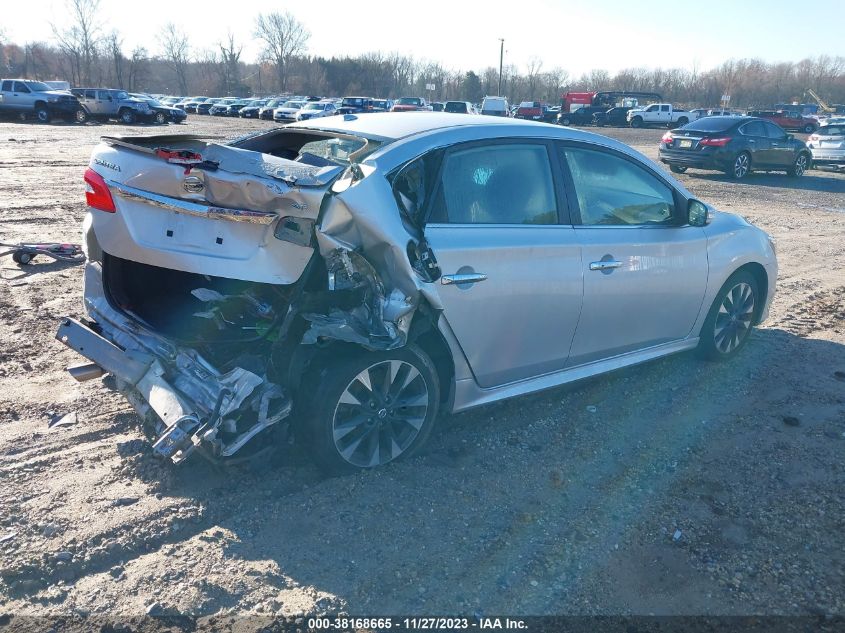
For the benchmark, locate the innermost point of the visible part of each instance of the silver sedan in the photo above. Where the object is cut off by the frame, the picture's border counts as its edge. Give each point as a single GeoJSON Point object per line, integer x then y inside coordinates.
{"type": "Point", "coordinates": [349, 278]}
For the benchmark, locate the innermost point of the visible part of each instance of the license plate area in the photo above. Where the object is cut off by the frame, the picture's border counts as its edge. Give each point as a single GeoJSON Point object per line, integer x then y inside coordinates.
{"type": "Point", "coordinates": [685, 144]}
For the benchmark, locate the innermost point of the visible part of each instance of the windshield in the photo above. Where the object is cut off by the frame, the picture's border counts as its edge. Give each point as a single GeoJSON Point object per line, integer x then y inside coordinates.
{"type": "Point", "coordinates": [353, 101]}
{"type": "Point", "coordinates": [272, 103]}
{"type": "Point", "coordinates": [410, 101]}
{"type": "Point", "coordinates": [380, 104]}
{"type": "Point", "coordinates": [121, 95]}
{"type": "Point", "coordinates": [316, 106]}
{"type": "Point", "coordinates": [37, 86]}
{"type": "Point", "coordinates": [293, 104]}
{"type": "Point", "coordinates": [455, 106]}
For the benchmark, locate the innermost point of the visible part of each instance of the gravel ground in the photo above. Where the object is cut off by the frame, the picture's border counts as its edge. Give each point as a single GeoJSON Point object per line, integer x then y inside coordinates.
{"type": "Point", "coordinates": [690, 488]}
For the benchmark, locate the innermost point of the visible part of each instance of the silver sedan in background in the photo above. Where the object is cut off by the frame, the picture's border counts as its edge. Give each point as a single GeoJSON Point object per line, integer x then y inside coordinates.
{"type": "Point", "coordinates": [348, 278]}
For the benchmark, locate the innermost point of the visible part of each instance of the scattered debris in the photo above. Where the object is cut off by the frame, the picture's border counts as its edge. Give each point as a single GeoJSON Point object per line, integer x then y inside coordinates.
{"type": "Point", "coordinates": [124, 501]}
{"type": "Point", "coordinates": [8, 536]}
{"type": "Point", "coordinates": [790, 420]}
{"type": "Point", "coordinates": [592, 408]}
{"type": "Point", "coordinates": [68, 419]}
{"type": "Point", "coordinates": [677, 536]}
{"type": "Point", "coordinates": [839, 375]}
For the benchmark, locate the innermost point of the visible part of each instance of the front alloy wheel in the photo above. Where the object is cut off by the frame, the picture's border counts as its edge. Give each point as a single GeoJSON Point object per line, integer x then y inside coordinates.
{"type": "Point", "coordinates": [161, 118]}
{"type": "Point", "coordinates": [372, 408]}
{"type": "Point", "coordinates": [731, 317]}
{"type": "Point", "coordinates": [741, 166]}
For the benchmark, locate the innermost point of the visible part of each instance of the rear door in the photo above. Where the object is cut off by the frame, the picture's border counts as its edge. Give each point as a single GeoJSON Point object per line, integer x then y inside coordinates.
{"type": "Point", "coordinates": [512, 274]}
{"type": "Point", "coordinates": [644, 274]}
{"type": "Point", "coordinates": [758, 142]}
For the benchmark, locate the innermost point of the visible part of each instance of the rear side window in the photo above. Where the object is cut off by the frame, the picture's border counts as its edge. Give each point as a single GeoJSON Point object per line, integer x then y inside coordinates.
{"type": "Point", "coordinates": [7, 86]}
{"type": "Point", "coordinates": [497, 184]}
{"type": "Point", "coordinates": [612, 190]}
{"type": "Point", "coordinates": [773, 131]}
{"type": "Point", "coordinates": [90, 94]}
{"type": "Point", "coordinates": [754, 128]}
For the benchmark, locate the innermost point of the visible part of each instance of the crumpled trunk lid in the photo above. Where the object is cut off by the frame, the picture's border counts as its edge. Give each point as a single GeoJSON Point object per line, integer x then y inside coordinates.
{"type": "Point", "coordinates": [202, 207]}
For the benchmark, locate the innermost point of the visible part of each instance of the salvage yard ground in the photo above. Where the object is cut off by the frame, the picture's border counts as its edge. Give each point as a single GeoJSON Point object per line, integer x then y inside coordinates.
{"type": "Point", "coordinates": [677, 487]}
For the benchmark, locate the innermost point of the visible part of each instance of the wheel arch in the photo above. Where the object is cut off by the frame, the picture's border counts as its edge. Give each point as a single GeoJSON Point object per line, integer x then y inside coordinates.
{"type": "Point", "coordinates": [758, 271]}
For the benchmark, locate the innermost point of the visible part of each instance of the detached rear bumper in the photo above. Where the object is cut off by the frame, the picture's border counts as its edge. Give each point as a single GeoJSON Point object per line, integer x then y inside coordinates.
{"type": "Point", "coordinates": [190, 402]}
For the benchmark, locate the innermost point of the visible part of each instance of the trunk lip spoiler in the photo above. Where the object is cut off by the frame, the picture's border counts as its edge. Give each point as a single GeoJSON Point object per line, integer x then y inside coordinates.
{"type": "Point", "coordinates": [195, 209]}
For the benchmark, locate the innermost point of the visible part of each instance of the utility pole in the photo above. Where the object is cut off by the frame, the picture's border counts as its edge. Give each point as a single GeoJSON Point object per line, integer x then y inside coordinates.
{"type": "Point", "coordinates": [501, 57]}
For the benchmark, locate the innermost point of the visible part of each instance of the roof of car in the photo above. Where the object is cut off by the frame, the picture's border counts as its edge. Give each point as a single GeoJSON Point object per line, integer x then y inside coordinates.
{"type": "Point", "coordinates": [396, 125]}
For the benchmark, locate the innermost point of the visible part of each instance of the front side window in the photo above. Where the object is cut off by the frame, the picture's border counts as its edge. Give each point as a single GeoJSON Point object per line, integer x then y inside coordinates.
{"type": "Point", "coordinates": [497, 184]}
{"type": "Point", "coordinates": [612, 190]}
{"type": "Point", "coordinates": [21, 87]}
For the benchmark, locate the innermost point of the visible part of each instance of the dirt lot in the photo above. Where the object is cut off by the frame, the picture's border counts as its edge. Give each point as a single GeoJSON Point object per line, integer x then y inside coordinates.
{"type": "Point", "coordinates": [691, 488]}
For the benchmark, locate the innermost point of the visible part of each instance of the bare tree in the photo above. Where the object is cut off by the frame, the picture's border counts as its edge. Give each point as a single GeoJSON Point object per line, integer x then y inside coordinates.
{"type": "Point", "coordinates": [80, 41]}
{"type": "Point", "coordinates": [230, 58]}
{"type": "Point", "coordinates": [138, 69]}
{"type": "Point", "coordinates": [535, 65]}
{"type": "Point", "coordinates": [113, 46]}
{"type": "Point", "coordinates": [174, 44]}
{"type": "Point", "coordinates": [284, 37]}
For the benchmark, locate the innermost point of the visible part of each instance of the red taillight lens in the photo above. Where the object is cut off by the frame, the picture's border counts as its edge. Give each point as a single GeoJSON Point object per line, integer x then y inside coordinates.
{"type": "Point", "coordinates": [97, 193]}
{"type": "Point", "coordinates": [667, 138]}
{"type": "Point", "coordinates": [716, 142]}
{"type": "Point", "coordinates": [814, 137]}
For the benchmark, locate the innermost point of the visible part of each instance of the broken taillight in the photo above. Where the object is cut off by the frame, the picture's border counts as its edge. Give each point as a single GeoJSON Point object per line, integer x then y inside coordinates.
{"type": "Point", "coordinates": [97, 193]}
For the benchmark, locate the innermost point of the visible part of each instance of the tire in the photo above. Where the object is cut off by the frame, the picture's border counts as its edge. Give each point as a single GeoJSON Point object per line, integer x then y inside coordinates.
{"type": "Point", "coordinates": [809, 129]}
{"type": "Point", "coordinates": [81, 116]}
{"type": "Point", "coordinates": [161, 118]}
{"type": "Point", "coordinates": [741, 166]}
{"type": "Point", "coordinates": [565, 120]}
{"type": "Point", "coordinates": [682, 121]}
{"type": "Point", "coordinates": [42, 114]}
{"type": "Point", "coordinates": [637, 122]}
{"type": "Point", "coordinates": [339, 419]}
{"type": "Point", "coordinates": [677, 169]}
{"type": "Point", "coordinates": [800, 165]}
{"type": "Point", "coordinates": [127, 116]}
{"type": "Point", "coordinates": [731, 318]}
{"type": "Point", "coordinates": [22, 258]}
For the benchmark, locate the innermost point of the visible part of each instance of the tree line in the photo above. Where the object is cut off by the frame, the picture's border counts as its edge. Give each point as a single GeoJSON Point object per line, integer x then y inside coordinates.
{"type": "Point", "coordinates": [85, 54]}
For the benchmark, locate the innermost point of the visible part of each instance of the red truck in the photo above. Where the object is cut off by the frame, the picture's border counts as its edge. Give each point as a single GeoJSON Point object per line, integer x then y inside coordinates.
{"type": "Point", "coordinates": [410, 104]}
{"type": "Point", "coordinates": [788, 120]}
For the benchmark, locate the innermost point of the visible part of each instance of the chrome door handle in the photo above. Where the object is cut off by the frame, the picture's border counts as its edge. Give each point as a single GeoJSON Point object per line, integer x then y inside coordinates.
{"type": "Point", "coordinates": [464, 278]}
{"type": "Point", "coordinates": [605, 265]}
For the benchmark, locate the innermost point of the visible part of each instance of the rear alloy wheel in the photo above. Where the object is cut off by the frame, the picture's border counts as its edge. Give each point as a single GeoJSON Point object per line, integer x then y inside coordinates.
{"type": "Point", "coordinates": [741, 166]}
{"type": "Point", "coordinates": [371, 409]}
{"type": "Point", "coordinates": [161, 118]}
{"type": "Point", "coordinates": [799, 166]}
{"type": "Point", "coordinates": [565, 120]}
{"type": "Point", "coordinates": [81, 116]}
{"type": "Point", "coordinates": [677, 169]}
{"type": "Point", "coordinates": [809, 129]}
{"type": "Point", "coordinates": [731, 317]}
{"type": "Point", "coordinates": [127, 117]}
{"type": "Point", "coordinates": [682, 121]}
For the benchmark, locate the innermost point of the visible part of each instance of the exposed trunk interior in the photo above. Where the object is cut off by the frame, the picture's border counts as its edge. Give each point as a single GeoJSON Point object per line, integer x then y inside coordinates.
{"type": "Point", "coordinates": [196, 309]}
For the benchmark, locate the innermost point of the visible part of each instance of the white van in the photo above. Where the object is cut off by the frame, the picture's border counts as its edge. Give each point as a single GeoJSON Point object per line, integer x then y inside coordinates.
{"type": "Point", "coordinates": [495, 106]}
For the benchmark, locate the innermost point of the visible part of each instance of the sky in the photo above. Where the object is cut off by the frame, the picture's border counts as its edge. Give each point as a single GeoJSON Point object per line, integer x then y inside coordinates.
{"type": "Point", "coordinates": [576, 35]}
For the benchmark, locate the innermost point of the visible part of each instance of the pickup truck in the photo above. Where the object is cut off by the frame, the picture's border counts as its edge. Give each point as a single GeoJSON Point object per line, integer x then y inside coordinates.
{"type": "Point", "coordinates": [788, 120]}
{"type": "Point", "coordinates": [660, 114]}
{"type": "Point", "coordinates": [24, 97]}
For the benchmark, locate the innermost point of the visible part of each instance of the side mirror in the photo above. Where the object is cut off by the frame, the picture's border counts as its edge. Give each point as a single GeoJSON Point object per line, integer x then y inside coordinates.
{"type": "Point", "coordinates": [697, 214]}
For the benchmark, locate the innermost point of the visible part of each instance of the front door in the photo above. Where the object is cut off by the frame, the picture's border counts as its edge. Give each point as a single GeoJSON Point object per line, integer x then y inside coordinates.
{"type": "Point", "coordinates": [644, 273]}
{"type": "Point", "coordinates": [781, 150]}
{"type": "Point", "coordinates": [512, 271]}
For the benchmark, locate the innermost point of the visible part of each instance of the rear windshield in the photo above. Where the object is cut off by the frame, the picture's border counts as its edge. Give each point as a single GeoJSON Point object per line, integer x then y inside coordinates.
{"type": "Point", "coordinates": [711, 124]}
{"type": "Point", "coordinates": [353, 102]}
{"type": "Point", "coordinates": [310, 148]}
{"type": "Point", "coordinates": [831, 130]}
{"type": "Point", "coordinates": [410, 101]}
{"type": "Point", "coordinates": [455, 106]}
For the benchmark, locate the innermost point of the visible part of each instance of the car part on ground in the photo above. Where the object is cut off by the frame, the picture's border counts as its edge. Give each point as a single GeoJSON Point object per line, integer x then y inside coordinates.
{"type": "Point", "coordinates": [24, 253]}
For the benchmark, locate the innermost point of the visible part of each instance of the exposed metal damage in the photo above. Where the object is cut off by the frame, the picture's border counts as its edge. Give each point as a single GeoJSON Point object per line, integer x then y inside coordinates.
{"type": "Point", "coordinates": [339, 280]}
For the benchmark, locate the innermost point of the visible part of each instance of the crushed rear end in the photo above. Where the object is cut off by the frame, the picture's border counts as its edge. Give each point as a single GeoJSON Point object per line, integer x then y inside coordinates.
{"type": "Point", "coordinates": [209, 284]}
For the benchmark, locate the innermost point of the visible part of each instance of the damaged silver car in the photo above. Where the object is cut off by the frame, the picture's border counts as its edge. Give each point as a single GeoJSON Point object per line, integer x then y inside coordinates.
{"type": "Point", "coordinates": [348, 278]}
